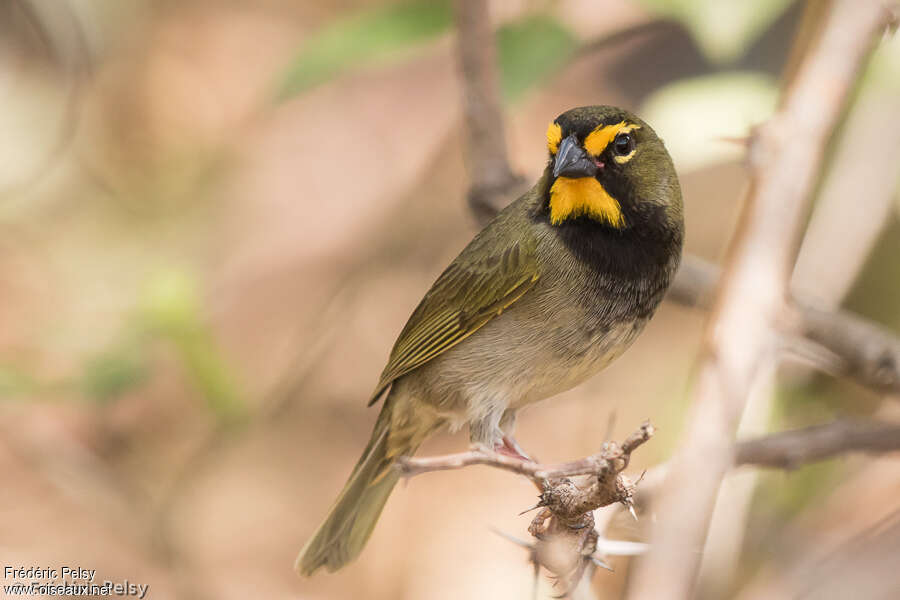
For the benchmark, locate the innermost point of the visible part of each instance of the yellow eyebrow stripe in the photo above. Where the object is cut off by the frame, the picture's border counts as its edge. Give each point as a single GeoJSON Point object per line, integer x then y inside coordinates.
{"type": "Point", "coordinates": [554, 137]}
{"type": "Point", "coordinates": [597, 140]}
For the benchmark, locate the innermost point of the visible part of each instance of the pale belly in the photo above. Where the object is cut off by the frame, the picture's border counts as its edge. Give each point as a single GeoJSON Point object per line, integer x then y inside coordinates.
{"type": "Point", "coordinates": [515, 361]}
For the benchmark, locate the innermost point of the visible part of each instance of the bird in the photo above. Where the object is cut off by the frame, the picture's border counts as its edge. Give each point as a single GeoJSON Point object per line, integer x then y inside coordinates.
{"type": "Point", "coordinates": [548, 293]}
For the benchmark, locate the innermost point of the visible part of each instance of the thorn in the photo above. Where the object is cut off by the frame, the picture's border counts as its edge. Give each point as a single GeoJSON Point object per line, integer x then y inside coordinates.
{"type": "Point", "coordinates": [538, 505]}
{"type": "Point", "coordinates": [600, 563]}
{"type": "Point", "coordinates": [512, 538]}
{"type": "Point", "coordinates": [621, 548]}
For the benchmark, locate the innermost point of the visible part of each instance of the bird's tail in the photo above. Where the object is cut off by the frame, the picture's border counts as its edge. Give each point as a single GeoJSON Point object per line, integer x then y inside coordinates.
{"type": "Point", "coordinates": [348, 526]}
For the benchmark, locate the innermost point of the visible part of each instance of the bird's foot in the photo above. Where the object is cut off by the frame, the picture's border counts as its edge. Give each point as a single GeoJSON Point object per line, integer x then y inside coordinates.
{"type": "Point", "coordinates": [510, 447]}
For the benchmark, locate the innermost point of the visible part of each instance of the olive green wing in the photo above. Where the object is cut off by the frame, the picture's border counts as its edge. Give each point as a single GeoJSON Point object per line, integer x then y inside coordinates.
{"type": "Point", "coordinates": [475, 288]}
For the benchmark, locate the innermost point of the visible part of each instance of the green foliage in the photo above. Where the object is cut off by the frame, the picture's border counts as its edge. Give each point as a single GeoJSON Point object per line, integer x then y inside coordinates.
{"type": "Point", "coordinates": [171, 304]}
{"type": "Point", "coordinates": [114, 372]}
{"type": "Point", "coordinates": [171, 312]}
{"type": "Point", "coordinates": [530, 50]}
{"type": "Point", "coordinates": [367, 36]}
{"type": "Point", "coordinates": [723, 29]}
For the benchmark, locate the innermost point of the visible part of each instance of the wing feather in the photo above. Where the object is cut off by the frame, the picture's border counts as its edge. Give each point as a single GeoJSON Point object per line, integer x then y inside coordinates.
{"type": "Point", "coordinates": [475, 288]}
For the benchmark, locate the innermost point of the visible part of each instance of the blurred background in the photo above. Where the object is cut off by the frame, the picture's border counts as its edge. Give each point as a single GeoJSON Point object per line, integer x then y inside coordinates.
{"type": "Point", "coordinates": [197, 296]}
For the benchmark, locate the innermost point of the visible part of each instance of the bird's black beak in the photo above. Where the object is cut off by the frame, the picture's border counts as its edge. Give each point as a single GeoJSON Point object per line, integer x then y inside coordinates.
{"type": "Point", "coordinates": [572, 161]}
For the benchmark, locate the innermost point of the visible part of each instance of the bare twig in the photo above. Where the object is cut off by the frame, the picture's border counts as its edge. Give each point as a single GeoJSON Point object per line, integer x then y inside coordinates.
{"type": "Point", "coordinates": [613, 457]}
{"type": "Point", "coordinates": [493, 182]}
{"type": "Point", "coordinates": [785, 156]}
{"type": "Point", "coordinates": [564, 527]}
{"type": "Point", "coordinates": [825, 270]}
{"type": "Point", "coordinates": [865, 351]}
{"type": "Point", "coordinates": [790, 449]}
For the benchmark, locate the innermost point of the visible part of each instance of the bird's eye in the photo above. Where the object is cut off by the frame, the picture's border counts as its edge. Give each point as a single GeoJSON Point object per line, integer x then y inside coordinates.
{"type": "Point", "coordinates": [623, 144]}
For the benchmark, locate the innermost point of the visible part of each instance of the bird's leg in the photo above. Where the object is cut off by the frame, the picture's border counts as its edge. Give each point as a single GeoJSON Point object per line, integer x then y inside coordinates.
{"type": "Point", "coordinates": [507, 443]}
{"type": "Point", "coordinates": [495, 431]}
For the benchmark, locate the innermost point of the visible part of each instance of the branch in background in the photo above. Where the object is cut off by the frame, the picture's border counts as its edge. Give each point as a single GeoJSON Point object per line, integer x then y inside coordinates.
{"type": "Point", "coordinates": [566, 541]}
{"type": "Point", "coordinates": [785, 155]}
{"type": "Point", "coordinates": [695, 282]}
{"type": "Point", "coordinates": [865, 351]}
{"type": "Point", "coordinates": [493, 184]}
{"type": "Point", "coordinates": [791, 449]}
{"type": "Point", "coordinates": [788, 450]}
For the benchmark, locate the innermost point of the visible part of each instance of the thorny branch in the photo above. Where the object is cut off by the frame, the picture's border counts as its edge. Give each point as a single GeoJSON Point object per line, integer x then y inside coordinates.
{"type": "Point", "coordinates": [566, 537]}
{"type": "Point", "coordinates": [605, 459]}
{"type": "Point", "coordinates": [785, 155]}
{"type": "Point", "coordinates": [566, 541]}
{"type": "Point", "coordinates": [857, 348]}
{"type": "Point", "coordinates": [795, 448]}
{"type": "Point", "coordinates": [862, 350]}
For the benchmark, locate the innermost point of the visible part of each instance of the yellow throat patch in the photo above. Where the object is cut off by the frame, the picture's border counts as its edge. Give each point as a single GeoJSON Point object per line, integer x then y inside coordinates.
{"type": "Point", "coordinates": [583, 197]}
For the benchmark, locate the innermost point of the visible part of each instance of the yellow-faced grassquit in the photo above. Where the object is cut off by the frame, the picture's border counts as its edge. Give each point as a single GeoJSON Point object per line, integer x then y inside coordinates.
{"type": "Point", "coordinates": [548, 293]}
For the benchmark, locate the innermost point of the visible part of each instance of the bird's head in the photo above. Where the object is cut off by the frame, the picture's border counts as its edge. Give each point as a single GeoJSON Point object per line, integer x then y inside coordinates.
{"type": "Point", "coordinates": [608, 166]}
